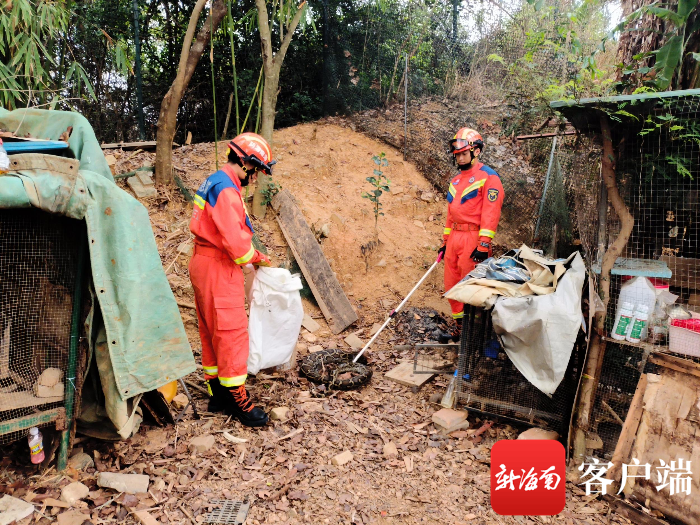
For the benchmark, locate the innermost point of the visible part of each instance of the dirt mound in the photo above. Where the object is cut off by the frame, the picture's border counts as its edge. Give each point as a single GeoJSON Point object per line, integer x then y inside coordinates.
{"type": "Point", "coordinates": [432, 123]}
{"type": "Point", "coordinates": [324, 166]}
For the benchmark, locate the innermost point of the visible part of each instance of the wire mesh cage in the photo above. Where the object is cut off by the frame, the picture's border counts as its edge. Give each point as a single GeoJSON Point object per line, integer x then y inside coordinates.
{"type": "Point", "coordinates": [38, 261]}
{"type": "Point", "coordinates": [488, 381]}
{"type": "Point", "coordinates": [654, 298]}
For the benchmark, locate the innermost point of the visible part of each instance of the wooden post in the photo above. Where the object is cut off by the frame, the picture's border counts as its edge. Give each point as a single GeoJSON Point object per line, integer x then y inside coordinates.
{"type": "Point", "coordinates": [594, 361]}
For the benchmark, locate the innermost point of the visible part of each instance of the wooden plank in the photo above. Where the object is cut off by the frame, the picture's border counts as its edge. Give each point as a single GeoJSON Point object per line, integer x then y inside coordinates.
{"type": "Point", "coordinates": [24, 399]}
{"type": "Point", "coordinates": [32, 420]}
{"type": "Point", "coordinates": [403, 374]}
{"type": "Point", "coordinates": [334, 304]}
{"type": "Point", "coordinates": [148, 144]}
{"type": "Point", "coordinates": [676, 363]}
{"type": "Point", "coordinates": [629, 429]}
{"type": "Point", "coordinates": [544, 135]}
{"type": "Point", "coordinates": [686, 271]}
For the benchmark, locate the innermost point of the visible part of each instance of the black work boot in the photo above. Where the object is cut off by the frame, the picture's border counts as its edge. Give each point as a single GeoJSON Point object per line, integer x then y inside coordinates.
{"type": "Point", "coordinates": [241, 407]}
{"type": "Point", "coordinates": [451, 334]}
{"type": "Point", "coordinates": [217, 398]}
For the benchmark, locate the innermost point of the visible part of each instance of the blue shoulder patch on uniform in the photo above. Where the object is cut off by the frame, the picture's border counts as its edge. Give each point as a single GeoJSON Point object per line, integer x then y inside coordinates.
{"type": "Point", "coordinates": [489, 171]}
{"type": "Point", "coordinates": [210, 189]}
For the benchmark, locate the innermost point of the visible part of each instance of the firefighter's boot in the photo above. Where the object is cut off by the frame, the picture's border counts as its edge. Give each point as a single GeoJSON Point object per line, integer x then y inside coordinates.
{"type": "Point", "coordinates": [241, 407]}
{"type": "Point", "coordinates": [451, 334]}
{"type": "Point", "coordinates": [217, 395]}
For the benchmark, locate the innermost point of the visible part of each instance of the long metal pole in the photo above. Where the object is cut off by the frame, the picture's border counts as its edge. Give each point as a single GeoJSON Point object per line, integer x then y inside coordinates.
{"type": "Point", "coordinates": [139, 86]}
{"type": "Point", "coordinates": [62, 460]}
{"type": "Point", "coordinates": [398, 308]}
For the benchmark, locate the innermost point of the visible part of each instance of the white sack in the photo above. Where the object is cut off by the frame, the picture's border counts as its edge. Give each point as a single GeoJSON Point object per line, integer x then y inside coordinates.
{"type": "Point", "coordinates": [538, 332]}
{"type": "Point", "coordinates": [275, 317]}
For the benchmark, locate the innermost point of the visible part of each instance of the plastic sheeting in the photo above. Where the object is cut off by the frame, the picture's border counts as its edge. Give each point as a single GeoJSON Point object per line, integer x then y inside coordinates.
{"type": "Point", "coordinates": [538, 332]}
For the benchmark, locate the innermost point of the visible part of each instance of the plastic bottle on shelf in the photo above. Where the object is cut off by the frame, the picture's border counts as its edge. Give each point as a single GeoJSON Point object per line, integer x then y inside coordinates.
{"type": "Point", "coordinates": [4, 160]}
{"type": "Point", "coordinates": [623, 321]}
{"type": "Point", "coordinates": [36, 445]}
{"type": "Point", "coordinates": [641, 316]}
{"type": "Point", "coordinates": [638, 291]}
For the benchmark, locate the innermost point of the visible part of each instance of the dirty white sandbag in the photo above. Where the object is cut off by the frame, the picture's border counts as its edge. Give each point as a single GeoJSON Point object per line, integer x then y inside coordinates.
{"type": "Point", "coordinates": [275, 317]}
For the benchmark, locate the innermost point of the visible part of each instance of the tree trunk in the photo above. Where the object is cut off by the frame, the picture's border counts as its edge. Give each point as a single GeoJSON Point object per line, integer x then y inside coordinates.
{"type": "Point", "coordinates": [272, 64]}
{"type": "Point", "coordinates": [189, 57]}
{"type": "Point", "coordinates": [594, 360]}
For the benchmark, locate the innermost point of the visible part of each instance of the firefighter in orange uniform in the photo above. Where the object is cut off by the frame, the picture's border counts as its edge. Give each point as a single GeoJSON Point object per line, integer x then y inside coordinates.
{"type": "Point", "coordinates": [474, 201]}
{"type": "Point", "coordinates": [223, 243]}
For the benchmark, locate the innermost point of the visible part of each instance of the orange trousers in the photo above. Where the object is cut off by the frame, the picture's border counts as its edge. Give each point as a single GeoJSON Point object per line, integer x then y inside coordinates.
{"type": "Point", "coordinates": [223, 324]}
{"type": "Point", "coordinates": [458, 263]}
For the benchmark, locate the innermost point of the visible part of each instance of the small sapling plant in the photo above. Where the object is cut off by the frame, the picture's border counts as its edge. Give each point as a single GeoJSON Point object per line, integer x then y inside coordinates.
{"type": "Point", "coordinates": [380, 183]}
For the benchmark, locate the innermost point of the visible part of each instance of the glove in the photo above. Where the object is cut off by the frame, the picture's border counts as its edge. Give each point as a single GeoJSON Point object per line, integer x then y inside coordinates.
{"type": "Point", "coordinates": [260, 259]}
{"type": "Point", "coordinates": [263, 260]}
{"type": "Point", "coordinates": [441, 252]}
{"type": "Point", "coordinates": [481, 252]}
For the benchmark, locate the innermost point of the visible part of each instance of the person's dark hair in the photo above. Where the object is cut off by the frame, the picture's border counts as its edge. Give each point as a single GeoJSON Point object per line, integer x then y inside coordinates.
{"type": "Point", "coordinates": [233, 157]}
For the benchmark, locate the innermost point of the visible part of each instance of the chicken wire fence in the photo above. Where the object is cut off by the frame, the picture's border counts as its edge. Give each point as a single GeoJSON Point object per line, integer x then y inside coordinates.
{"type": "Point", "coordinates": [38, 261]}
{"type": "Point", "coordinates": [414, 75]}
{"type": "Point", "coordinates": [657, 142]}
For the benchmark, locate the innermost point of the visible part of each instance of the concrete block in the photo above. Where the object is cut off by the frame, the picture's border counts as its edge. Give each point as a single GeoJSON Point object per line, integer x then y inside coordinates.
{"type": "Point", "coordinates": [279, 413]}
{"type": "Point", "coordinates": [448, 418]}
{"type": "Point", "coordinates": [129, 483]}
{"type": "Point", "coordinates": [141, 191]}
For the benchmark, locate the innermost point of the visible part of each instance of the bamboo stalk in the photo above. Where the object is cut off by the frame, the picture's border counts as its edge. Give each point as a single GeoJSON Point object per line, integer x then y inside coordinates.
{"type": "Point", "coordinates": [233, 66]}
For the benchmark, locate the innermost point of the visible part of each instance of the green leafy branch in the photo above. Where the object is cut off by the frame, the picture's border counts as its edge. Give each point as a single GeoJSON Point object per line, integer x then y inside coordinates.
{"type": "Point", "coordinates": [380, 184]}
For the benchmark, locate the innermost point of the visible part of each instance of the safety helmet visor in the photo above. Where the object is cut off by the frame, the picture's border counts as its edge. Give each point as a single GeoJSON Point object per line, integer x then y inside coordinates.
{"type": "Point", "coordinates": [461, 145]}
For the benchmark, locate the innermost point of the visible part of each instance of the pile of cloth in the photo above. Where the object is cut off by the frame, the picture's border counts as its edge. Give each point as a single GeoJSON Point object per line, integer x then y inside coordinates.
{"type": "Point", "coordinates": [536, 309]}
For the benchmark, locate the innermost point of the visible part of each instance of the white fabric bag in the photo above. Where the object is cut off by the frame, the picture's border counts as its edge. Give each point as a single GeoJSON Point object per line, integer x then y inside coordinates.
{"type": "Point", "coordinates": [275, 317]}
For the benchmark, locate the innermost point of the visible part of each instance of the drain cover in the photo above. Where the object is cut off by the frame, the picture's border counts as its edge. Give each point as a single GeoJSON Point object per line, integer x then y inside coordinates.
{"type": "Point", "coordinates": [229, 512]}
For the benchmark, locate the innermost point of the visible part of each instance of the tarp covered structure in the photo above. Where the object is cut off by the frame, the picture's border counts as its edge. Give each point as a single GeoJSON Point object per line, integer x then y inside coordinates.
{"type": "Point", "coordinates": [145, 345]}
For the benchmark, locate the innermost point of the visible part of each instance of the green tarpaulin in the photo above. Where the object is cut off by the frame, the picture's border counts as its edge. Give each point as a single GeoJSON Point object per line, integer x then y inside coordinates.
{"type": "Point", "coordinates": [147, 343]}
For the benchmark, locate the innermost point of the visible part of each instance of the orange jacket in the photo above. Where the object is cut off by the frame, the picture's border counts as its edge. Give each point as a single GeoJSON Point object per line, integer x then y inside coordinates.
{"type": "Point", "coordinates": [220, 220]}
{"type": "Point", "coordinates": [475, 197]}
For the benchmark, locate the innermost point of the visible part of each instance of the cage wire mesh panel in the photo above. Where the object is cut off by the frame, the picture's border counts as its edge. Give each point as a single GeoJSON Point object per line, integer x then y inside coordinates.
{"type": "Point", "coordinates": [38, 259]}
{"type": "Point", "coordinates": [658, 175]}
{"type": "Point", "coordinates": [488, 382]}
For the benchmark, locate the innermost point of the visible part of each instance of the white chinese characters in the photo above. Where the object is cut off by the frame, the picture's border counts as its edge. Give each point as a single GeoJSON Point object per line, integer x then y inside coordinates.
{"type": "Point", "coordinates": [529, 481]}
{"type": "Point", "coordinates": [676, 476]}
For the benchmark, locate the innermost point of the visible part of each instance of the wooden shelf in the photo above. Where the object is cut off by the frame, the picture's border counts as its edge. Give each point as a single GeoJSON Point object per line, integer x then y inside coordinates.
{"type": "Point", "coordinates": [647, 347]}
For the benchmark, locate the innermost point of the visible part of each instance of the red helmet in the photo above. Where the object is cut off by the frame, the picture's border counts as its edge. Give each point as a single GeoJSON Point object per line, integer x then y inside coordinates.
{"type": "Point", "coordinates": [252, 148]}
{"type": "Point", "coordinates": [466, 139]}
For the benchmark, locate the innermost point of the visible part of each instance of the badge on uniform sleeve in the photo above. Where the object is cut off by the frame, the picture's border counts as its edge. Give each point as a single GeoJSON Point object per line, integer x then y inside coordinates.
{"type": "Point", "coordinates": [471, 180]}
{"type": "Point", "coordinates": [492, 195]}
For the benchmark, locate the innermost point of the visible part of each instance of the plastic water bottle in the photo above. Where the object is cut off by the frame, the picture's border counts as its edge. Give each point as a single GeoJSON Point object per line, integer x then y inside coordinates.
{"type": "Point", "coordinates": [36, 445]}
{"type": "Point", "coordinates": [4, 160]}
{"type": "Point", "coordinates": [448, 400]}
{"type": "Point", "coordinates": [623, 321]}
{"type": "Point", "coordinates": [641, 316]}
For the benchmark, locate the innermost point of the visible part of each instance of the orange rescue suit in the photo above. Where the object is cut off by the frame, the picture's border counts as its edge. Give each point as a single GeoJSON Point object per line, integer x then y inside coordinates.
{"type": "Point", "coordinates": [223, 241]}
{"type": "Point", "coordinates": [474, 198]}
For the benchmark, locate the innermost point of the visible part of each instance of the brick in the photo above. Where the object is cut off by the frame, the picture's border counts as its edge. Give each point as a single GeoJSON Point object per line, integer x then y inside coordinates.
{"type": "Point", "coordinates": [342, 458]}
{"type": "Point", "coordinates": [448, 418]}
{"type": "Point", "coordinates": [74, 492]}
{"type": "Point", "coordinates": [140, 190]}
{"type": "Point", "coordinates": [354, 342]}
{"type": "Point", "coordinates": [311, 325]}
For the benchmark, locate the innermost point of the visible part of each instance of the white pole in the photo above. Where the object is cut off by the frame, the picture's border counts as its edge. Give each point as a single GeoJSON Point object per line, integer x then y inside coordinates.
{"type": "Point", "coordinates": [395, 311]}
